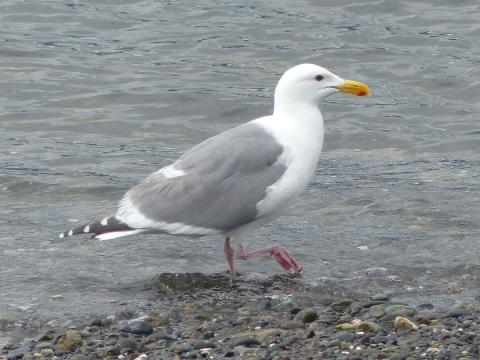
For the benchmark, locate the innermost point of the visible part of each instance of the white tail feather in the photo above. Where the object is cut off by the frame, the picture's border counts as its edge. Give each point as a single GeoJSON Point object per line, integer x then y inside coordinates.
{"type": "Point", "coordinates": [118, 234]}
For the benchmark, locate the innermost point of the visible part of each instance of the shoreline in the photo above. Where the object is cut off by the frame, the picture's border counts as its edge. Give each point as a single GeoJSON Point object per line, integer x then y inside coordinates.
{"type": "Point", "coordinates": [279, 317]}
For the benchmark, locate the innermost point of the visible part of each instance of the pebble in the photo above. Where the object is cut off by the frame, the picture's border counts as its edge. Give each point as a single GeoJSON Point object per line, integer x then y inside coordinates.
{"type": "Point", "coordinates": [70, 341]}
{"type": "Point", "coordinates": [137, 326]}
{"type": "Point", "coordinates": [342, 305]}
{"type": "Point", "coordinates": [246, 341]}
{"type": "Point", "coordinates": [306, 316]}
{"type": "Point", "coordinates": [456, 313]}
{"type": "Point", "coordinates": [127, 343]}
{"type": "Point", "coordinates": [292, 325]}
{"type": "Point", "coordinates": [404, 323]}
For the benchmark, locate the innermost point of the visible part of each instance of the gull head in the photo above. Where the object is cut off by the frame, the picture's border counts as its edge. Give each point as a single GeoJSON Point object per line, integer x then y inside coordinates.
{"type": "Point", "coordinates": [309, 84]}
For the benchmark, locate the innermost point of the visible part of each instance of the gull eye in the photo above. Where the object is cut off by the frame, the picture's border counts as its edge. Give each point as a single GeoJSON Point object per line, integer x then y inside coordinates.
{"type": "Point", "coordinates": [319, 77]}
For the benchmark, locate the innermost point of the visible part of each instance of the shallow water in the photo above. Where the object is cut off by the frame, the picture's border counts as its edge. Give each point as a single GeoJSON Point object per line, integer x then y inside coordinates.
{"type": "Point", "coordinates": [94, 96]}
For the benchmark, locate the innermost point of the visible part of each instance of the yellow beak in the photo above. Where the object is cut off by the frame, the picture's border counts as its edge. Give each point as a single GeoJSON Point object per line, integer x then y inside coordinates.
{"type": "Point", "coordinates": [354, 87]}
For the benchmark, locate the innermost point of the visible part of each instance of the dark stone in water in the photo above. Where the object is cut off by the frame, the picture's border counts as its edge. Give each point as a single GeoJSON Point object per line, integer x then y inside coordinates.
{"type": "Point", "coordinates": [127, 343]}
{"type": "Point", "coordinates": [456, 313]}
{"type": "Point", "coordinates": [345, 336]}
{"type": "Point", "coordinates": [247, 341]}
{"type": "Point", "coordinates": [173, 282]}
{"type": "Point", "coordinates": [137, 326]}
{"type": "Point", "coordinates": [17, 353]}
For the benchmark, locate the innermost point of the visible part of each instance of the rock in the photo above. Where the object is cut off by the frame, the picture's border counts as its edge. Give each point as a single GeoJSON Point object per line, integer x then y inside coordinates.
{"type": "Point", "coordinates": [47, 336]}
{"type": "Point", "coordinates": [127, 343]}
{"type": "Point", "coordinates": [306, 316]}
{"type": "Point", "coordinates": [467, 324]}
{"type": "Point", "coordinates": [246, 341]}
{"type": "Point", "coordinates": [70, 341]}
{"type": "Point", "coordinates": [181, 347]}
{"type": "Point", "coordinates": [97, 322]}
{"type": "Point", "coordinates": [47, 352]}
{"type": "Point", "coordinates": [292, 325]}
{"type": "Point", "coordinates": [380, 339]}
{"type": "Point", "coordinates": [456, 313]}
{"type": "Point", "coordinates": [43, 345]}
{"type": "Point", "coordinates": [393, 311]}
{"type": "Point", "coordinates": [425, 307]}
{"type": "Point", "coordinates": [78, 357]}
{"type": "Point", "coordinates": [17, 353]}
{"type": "Point", "coordinates": [345, 336]}
{"type": "Point", "coordinates": [380, 297]}
{"type": "Point", "coordinates": [376, 311]}
{"type": "Point", "coordinates": [202, 344]}
{"type": "Point", "coordinates": [342, 305]}
{"type": "Point", "coordinates": [137, 326]}
{"type": "Point", "coordinates": [404, 323]}
{"type": "Point", "coordinates": [345, 327]}
{"type": "Point", "coordinates": [111, 351]}
{"type": "Point", "coordinates": [178, 282]}
{"type": "Point", "coordinates": [369, 326]}
{"type": "Point", "coordinates": [263, 335]}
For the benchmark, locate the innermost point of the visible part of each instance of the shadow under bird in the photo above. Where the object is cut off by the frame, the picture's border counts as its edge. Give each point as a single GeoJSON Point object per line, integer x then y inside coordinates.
{"type": "Point", "coordinates": [238, 180]}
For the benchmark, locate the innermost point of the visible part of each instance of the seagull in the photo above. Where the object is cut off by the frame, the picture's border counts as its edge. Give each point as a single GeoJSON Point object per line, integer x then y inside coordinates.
{"type": "Point", "coordinates": [236, 181]}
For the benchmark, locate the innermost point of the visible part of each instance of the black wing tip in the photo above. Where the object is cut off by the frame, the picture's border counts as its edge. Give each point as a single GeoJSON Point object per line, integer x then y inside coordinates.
{"type": "Point", "coordinates": [105, 225]}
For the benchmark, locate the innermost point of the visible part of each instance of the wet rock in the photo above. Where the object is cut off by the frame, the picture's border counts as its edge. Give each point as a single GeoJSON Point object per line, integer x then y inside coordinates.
{"type": "Point", "coordinates": [342, 305]}
{"type": "Point", "coordinates": [425, 307]}
{"type": "Point", "coordinates": [181, 347]}
{"type": "Point", "coordinates": [292, 325]}
{"type": "Point", "coordinates": [345, 327]}
{"type": "Point", "coordinates": [47, 352]}
{"type": "Point", "coordinates": [382, 339]}
{"type": "Point", "coordinates": [376, 311]}
{"type": "Point", "coordinates": [246, 341]}
{"type": "Point", "coordinates": [369, 326]}
{"type": "Point", "coordinates": [42, 345]}
{"type": "Point", "coordinates": [456, 313]}
{"type": "Point", "coordinates": [201, 344]}
{"type": "Point", "coordinates": [47, 336]}
{"type": "Point", "coordinates": [393, 311]}
{"type": "Point", "coordinates": [137, 326]}
{"type": "Point", "coordinates": [70, 341]}
{"type": "Point", "coordinates": [403, 323]}
{"type": "Point", "coordinates": [127, 343]}
{"type": "Point", "coordinates": [17, 353]}
{"type": "Point", "coordinates": [345, 336]}
{"type": "Point", "coordinates": [178, 282]}
{"type": "Point", "coordinates": [78, 357]}
{"type": "Point", "coordinates": [307, 315]}
{"type": "Point", "coordinates": [381, 297]}
{"type": "Point", "coordinates": [111, 351]}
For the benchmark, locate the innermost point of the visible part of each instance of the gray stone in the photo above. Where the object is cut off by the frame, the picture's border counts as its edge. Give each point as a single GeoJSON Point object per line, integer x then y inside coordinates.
{"type": "Point", "coordinates": [380, 297]}
{"type": "Point", "coordinates": [127, 343]}
{"type": "Point", "coordinates": [342, 305]}
{"type": "Point", "coordinates": [137, 326]}
{"type": "Point", "coordinates": [246, 341]}
{"type": "Point", "coordinates": [79, 357]}
{"type": "Point", "coordinates": [456, 313]}
{"type": "Point", "coordinates": [306, 316]}
{"type": "Point", "coordinates": [345, 336]}
{"type": "Point", "coordinates": [202, 344]}
{"type": "Point", "coordinates": [17, 353]}
{"type": "Point", "coordinates": [292, 325]}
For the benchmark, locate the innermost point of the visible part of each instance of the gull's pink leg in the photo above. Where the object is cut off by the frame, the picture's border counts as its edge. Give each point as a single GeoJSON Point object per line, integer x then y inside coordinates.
{"type": "Point", "coordinates": [284, 257]}
{"type": "Point", "coordinates": [227, 248]}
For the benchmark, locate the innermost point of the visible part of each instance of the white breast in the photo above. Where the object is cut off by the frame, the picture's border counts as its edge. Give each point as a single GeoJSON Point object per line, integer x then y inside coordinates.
{"type": "Point", "coordinates": [302, 139]}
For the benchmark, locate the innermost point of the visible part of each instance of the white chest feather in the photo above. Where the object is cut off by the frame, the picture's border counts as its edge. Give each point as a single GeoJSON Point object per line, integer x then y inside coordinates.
{"type": "Point", "coordinates": [302, 140]}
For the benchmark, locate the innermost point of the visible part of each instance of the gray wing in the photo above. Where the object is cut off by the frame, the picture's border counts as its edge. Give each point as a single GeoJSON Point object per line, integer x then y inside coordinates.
{"type": "Point", "coordinates": [220, 183]}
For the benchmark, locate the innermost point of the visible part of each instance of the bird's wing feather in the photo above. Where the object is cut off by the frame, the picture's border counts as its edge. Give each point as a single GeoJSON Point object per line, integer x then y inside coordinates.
{"type": "Point", "coordinates": [214, 187]}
